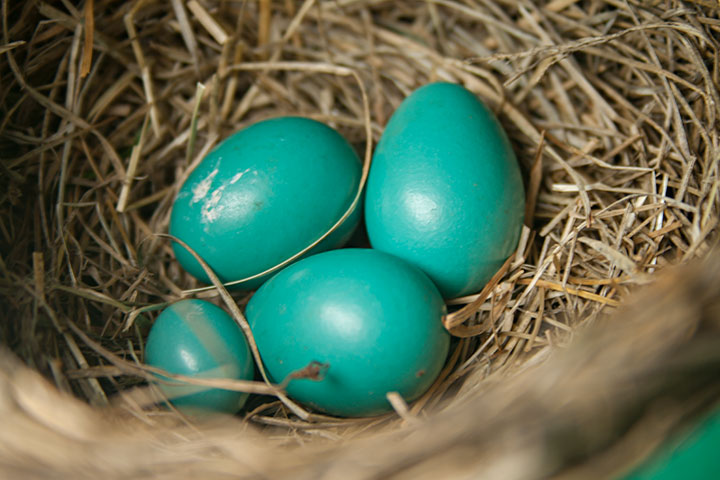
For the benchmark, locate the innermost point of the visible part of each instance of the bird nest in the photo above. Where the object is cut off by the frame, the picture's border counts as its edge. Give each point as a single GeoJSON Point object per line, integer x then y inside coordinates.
{"type": "Point", "coordinates": [598, 338]}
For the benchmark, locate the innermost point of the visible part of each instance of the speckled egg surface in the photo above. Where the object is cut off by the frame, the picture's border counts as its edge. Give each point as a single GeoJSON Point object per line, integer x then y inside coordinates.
{"type": "Point", "coordinates": [373, 318]}
{"type": "Point", "coordinates": [445, 191]}
{"type": "Point", "coordinates": [263, 195]}
{"type": "Point", "coordinates": [198, 339]}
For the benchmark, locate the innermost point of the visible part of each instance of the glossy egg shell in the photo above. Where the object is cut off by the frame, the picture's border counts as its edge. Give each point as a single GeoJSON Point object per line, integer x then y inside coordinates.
{"type": "Point", "coordinates": [373, 318]}
{"type": "Point", "coordinates": [263, 195]}
{"type": "Point", "coordinates": [196, 338]}
{"type": "Point", "coordinates": [445, 190]}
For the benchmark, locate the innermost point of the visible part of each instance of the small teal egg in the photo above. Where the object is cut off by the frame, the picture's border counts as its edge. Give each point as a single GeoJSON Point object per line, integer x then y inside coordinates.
{"type": "Point", "coordinates": [263, 195]}
{"type": "Point", "coordinates": [445, 191]}
{"type": "Point", "coordinates": [198, 339]}
{"type": "Point", "coordinates": [373, 318]}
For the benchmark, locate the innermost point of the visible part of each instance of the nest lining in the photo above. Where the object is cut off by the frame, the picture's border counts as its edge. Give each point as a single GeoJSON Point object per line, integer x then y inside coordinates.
{"type": "Point", "coordinates": [611, 107]}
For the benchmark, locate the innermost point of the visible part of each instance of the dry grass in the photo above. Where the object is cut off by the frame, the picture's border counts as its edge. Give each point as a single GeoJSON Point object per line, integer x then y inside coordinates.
{"type": "Point", "coordinates": [612, 107]}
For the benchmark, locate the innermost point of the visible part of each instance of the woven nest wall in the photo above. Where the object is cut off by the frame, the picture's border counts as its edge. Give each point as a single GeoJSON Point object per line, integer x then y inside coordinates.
{"type": "Point", "coordinates": [598, 339]}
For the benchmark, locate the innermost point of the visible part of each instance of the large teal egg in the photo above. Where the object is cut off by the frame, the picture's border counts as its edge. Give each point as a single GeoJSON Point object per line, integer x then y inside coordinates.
{"type": "Point", "coordinates": [263, 195]}
{"type": "Point", "coordinates": [445, 191]}
{"type": "Point", "coordinates": [374, 319]}
{"type": "Point", "coordinates": [198, 339]}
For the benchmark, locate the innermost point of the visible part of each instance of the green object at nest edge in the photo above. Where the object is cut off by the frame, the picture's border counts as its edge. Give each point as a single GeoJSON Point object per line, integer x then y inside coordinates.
{"type": "Point", "coordinates": [695, 455]}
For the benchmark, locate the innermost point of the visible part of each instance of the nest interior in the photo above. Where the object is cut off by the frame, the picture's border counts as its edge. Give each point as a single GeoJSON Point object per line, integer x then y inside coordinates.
{"type": "Point", "coordinates": [612, 109]}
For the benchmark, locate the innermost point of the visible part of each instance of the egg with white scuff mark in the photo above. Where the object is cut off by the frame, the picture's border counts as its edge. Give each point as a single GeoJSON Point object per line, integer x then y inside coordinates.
{"type": "Point", "coordinates": [263, 195]}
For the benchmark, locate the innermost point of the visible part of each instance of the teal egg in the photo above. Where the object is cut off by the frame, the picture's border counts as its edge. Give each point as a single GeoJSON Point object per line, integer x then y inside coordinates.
{"type": "Point", "coordinates": [263, 195]}
{"type": "Point", "coordinates": [198, 339]}
{"type": "Point", "coordinates": [445, 191]}
{"type": "Point", "coordinates": [690, 456]}
{"type": "Point", "coordinates": [374, 319]}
